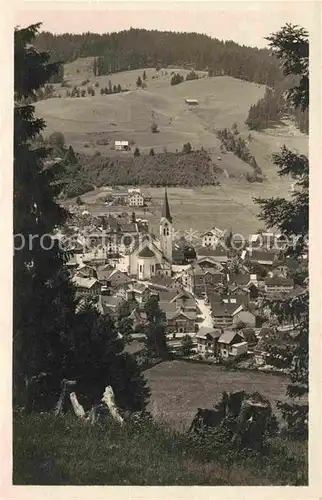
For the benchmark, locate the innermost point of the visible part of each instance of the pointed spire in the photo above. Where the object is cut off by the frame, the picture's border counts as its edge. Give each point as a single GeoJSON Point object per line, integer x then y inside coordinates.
{"type": "Point", "coordinates": [166, 209]}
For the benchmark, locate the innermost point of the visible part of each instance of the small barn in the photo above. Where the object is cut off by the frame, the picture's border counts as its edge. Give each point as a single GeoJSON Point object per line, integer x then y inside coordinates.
{"type": "Point", "coordinates": [192, 102]}
{"type": "Point", "coordinates": [121, 145]}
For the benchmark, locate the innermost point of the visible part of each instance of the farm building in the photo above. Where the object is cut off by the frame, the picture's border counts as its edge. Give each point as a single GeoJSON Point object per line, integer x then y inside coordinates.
{"type": "Point", "coordinates": [121, 145]}
{"type": "Point", "coordinates": [192, 102]}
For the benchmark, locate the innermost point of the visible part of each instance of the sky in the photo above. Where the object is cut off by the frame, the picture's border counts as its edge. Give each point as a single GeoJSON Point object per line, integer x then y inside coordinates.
{"type": "Point", "coordinates": [244, 22]}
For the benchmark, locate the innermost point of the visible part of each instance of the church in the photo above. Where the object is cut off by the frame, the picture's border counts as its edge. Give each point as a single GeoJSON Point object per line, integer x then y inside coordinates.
{"type": "Point", "coordinates": [153, 256]}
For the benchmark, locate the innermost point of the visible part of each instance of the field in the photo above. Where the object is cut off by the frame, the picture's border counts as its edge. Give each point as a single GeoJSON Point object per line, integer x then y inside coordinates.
{"type": "Point", "coordinates": [179, 388]}
{"type": "Point", "coordinates": [227, 206]}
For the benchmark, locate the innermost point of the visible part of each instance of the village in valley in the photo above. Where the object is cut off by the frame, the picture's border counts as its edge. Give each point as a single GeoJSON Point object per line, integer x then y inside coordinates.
{"type": "Point", "coordinates": [214, 292]}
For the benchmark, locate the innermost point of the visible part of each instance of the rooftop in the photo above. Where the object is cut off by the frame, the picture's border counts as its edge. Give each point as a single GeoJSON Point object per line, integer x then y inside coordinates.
{"type": "Point", "coordinates": [167, 295]}
{"type": "Point", "coordinates": [239, 279]}
{"type": "Point", "coordinates": [146, 253]}
{"type": "Point", "coordinates": [168, 308]}
{"type": "Point", "coordinates": [211, 252]}
{"type": "Point", "coordinates": [278, 281]}
{"type": "Point", "coordinates": [220, 309]}
{"type": "Point", "coordinates": [205, 333]}
{"type": "Point", "coordinates": [84, 282]}
{"type": "Point", "coordinates": [162, 281]}
{"type": "Point", "coordinates": [227, 337]}
{"type": "Point", "coordinates": [261, 256]}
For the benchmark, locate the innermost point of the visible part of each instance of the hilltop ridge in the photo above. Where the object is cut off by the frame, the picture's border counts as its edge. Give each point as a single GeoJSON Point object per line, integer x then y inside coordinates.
{"type": "Point", "coordinates": [140, 48]}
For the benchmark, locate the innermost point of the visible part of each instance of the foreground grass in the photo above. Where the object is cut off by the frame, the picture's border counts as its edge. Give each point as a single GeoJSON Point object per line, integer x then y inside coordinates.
{"type": "Point", "coordinates": [62, 451]}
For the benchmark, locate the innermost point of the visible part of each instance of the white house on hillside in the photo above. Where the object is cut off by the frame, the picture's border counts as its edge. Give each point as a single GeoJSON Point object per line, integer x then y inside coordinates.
{"type": "Point", "coordinates": [121, 145]}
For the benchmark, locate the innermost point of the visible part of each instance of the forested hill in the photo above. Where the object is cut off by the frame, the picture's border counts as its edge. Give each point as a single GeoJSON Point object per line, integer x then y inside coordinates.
{"type": "Point", "coordinates": [139, 48]}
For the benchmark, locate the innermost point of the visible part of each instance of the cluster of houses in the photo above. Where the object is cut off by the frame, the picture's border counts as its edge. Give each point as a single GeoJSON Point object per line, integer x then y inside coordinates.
{"type": "Point", "coordinates": [217, 298]}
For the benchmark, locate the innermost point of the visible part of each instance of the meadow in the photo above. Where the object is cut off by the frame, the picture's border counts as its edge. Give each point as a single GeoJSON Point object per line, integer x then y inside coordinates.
{"type": "Point", "coordinates": [228, 206]}
{"type": "Point", "coordinates": [87, 122]}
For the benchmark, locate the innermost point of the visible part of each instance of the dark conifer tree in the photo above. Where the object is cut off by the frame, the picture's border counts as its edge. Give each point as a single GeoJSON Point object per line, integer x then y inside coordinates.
{"type": "Point", "coordinates": [51, 340]}
{"type": "Point", "coordinates": [42, 296]}
{"type": "Point", "coordinates": [155, 330]}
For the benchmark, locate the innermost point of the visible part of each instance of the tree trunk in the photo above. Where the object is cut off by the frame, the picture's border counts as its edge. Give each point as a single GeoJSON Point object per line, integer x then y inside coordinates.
{"type": "Point", "coordinates": [109, 399]}
{"type": "Point", "coordinates": [65, 388]}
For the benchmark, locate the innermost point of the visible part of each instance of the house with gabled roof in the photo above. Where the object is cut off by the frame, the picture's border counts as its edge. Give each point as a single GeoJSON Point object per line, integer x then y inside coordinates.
{"type": "Point", "coordinates": [139, 292]}
{"type": "Point", "coordinates": [219, 343]}
{"type": "Point", "coordinates": [86, 271]}
{"type": "Point", "coordinates": [249, 336]}
{"type": "Point", "coordinates": [262, 257]}
{"type": "Point", "coordinates": [278, 285]}
{"type": "Point", "coordinates": [86, 286]}
{"type": "Point", "coordinates": [109, 304]}
{"type": "Point", "coordinates": [201, 280]}
{"type": "Point", "coordinates": [222, 314]}
{"type": "Point", "coordinates": [209, 261]}
{"type": "Point", "coordinates": [207, 341]}
{"type": "Point", "coordinates": [231, 344]}
{"type": "Point", "coordinates": [112, 278]}
{"type": "Point", "coordinates": [164, 283]}
{"type": "Point", "coordinates": [103, 272]}
{"type": "Point", "coordinates": [211, 238]}
{"type": "Point", "coordinates": [178, 321]}
{"type": "Point", "coordinates": [227, 314]}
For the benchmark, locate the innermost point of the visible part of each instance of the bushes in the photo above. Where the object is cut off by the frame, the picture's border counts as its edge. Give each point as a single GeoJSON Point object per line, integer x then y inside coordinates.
{"type": "Point", "coordinates": [154, 128]}
{"type": "Point", "coordinates": [231, 140]}
{"type": "Point", "coordinates": [186, 345]}
{"type": "Point", "coordinates": [187, 148]}
{"type": "Point", "coordinates": [192, 76]}
{"type": "Point", "coordinates": [57, 140]}
{"type": "Point", "coordinates": [116, 89]}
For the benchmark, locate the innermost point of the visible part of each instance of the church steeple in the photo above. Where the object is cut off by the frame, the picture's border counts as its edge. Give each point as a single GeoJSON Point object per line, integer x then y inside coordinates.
{"type": "Point", "coordinates": [165, 209]}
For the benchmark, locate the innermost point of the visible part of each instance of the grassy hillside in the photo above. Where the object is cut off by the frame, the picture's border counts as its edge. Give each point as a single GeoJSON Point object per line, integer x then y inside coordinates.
{"type": "Point", "coordinates": [92, 124]}
{"type": "Point", "coordinates": [128, 116]}
{"type": "Point", "coordinates": [61, 451]}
